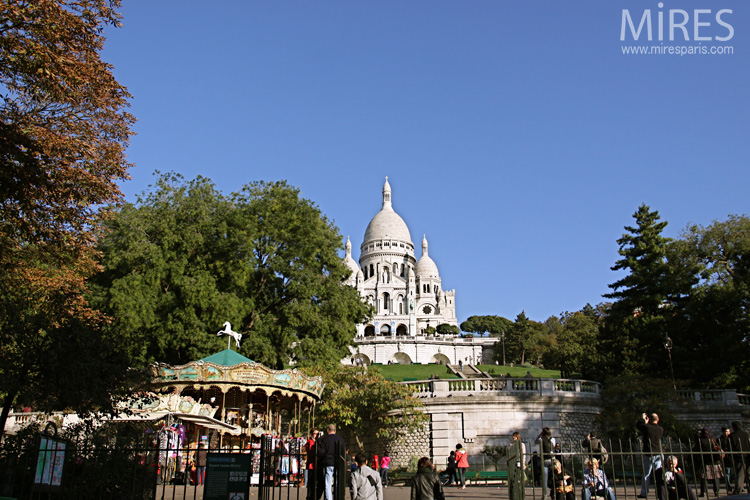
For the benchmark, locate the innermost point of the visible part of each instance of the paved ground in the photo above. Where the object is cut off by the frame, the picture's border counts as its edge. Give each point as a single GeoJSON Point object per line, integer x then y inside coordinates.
{"type": "Point", "coordinates": [473, 492]}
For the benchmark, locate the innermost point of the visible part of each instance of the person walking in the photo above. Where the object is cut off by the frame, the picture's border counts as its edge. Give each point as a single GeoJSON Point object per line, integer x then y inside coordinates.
{"type": "Point", "coordinates": [200, 463]}
{"type": "Point", "coordinates": [725, 442]}
{"type": "Point", "coordinates": [451, 470]}
{"type": "Point", "coordinates": [385, 464]}
{"type": "Point", "coordinates": [426, 484]}
{"type": "Point", "coordinates": [515, 456]}
{"type": "Point", "coordinates": [327, 458]}
{"type": "Point", "coordinates": [652, 434]}
{"type": "Point", "coordinates": [708, 460]}
{"type": "Point", "coordinates": [365, 482]}
{"type": "Point", "coordinates": [310, 455]}
{"type": "Point", "coordinates": [462, 464]}
{"type": "Point", "coordinates": [546, 447]}
{"type": "Point", "coordinates": [741, 448]}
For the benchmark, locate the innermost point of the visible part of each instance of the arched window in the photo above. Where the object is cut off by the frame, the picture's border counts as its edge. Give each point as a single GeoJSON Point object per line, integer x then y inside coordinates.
{"type": "Point", "coordinates": [385, 330]}
{"type": "Point", "coordinates": [364, 270]}
{"type": "Point", "coordinates": [369, 331]}
{"type": "Point", "coordinates": [372, 270]}
{"type": "Point", "coordinates": [386, 302]}
{"type": "Point", "coordinates": [401, 308]}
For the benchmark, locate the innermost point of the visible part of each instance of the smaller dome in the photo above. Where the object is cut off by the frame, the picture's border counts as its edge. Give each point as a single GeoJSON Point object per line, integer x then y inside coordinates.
{"type": "Point", "coordinates": [348, 260]}
{"type": "Point", "coordinates": [426, 267]}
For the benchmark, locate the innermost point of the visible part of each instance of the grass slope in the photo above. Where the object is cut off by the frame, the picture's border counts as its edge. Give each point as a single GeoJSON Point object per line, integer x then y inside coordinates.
{"type": "Point", "coordinates": [423, 372]}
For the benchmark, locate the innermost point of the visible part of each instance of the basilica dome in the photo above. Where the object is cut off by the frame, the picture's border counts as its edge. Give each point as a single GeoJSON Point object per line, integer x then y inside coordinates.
{"type": "Point", "coordinates": [387, 224]}
{"type": "Point", "coordinates": [426, 267]}
{"type": "Point", "coordinates": [348, 260]}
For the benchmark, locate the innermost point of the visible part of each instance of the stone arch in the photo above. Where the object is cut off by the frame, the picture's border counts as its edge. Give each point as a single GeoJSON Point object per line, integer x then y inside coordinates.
{"type": "Point", "coordinates": [369, 331]}
{"type": "Point", "coordinates": [402, 330]}
{"type": "Point", "coordinates": [402, 358]}
{"type": "Point", "coordinates": [385, 329]}
{"type": "Point", "coordinates": [440, 359]}
{"type": "Point", "coordinates": [362, 360]}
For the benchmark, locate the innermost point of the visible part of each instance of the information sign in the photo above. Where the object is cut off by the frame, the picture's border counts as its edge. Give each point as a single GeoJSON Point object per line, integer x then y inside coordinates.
{"type": "Point", "coordinates": [227, 476]}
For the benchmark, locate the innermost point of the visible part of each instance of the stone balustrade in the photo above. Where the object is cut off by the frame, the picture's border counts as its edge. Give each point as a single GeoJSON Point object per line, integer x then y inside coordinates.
{"type": "Point", "coordinates": [505, 386]}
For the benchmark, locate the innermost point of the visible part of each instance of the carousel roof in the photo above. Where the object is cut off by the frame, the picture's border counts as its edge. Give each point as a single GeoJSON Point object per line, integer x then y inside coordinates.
{"type": "Point", "coordinates": [227, 357]}
{"type": "Point", "coordinates": [229, 368]}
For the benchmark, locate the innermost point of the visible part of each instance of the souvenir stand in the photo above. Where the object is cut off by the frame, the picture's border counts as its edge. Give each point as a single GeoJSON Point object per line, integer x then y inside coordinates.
{"type": "Point", "coordinates": [250, 399]}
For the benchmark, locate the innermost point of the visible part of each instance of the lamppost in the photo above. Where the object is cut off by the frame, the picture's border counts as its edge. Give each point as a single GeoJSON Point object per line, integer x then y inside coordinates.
{"type": "Point", "coordinates": [502, 339]}
{"type": "Point", "coordinates": [668, 346]}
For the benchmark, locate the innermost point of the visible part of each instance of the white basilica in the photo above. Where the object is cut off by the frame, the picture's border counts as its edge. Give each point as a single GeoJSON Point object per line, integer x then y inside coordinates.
{"type": "Point", "coordinates": [407, 295]}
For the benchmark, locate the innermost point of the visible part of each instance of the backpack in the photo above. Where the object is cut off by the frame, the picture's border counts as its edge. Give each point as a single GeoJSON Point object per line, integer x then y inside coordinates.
{"type": "Point", "coordinates": [604, 453]}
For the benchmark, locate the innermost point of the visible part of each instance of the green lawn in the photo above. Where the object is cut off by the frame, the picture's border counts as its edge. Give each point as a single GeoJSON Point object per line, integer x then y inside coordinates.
{"type": "Point", "coordinates": [414, 372]}
{"type": "Point", "coordinates": [423, 372]}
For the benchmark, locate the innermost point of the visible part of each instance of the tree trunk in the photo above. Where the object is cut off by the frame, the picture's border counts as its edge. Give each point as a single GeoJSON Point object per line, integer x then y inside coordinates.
{"type": "Point", "coordinates": [10, 398]}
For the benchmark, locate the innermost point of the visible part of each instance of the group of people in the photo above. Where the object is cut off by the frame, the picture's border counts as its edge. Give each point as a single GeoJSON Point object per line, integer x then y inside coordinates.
{"type": "Point", "coordinates": [713, 460]}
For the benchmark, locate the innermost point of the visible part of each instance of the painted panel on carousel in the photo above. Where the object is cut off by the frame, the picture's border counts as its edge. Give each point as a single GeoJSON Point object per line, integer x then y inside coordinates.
{"type": "Point", "coordinates": [213, 373]}
{"type": "Point", "coordinates": [251, 375]}
{"type": "Point", "coordinates": [189, 373]}
{"type": "Point", "coordinates": [167, 374]}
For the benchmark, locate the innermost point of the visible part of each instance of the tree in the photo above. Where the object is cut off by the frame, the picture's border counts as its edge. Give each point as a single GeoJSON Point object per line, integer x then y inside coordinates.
{"type": "Point", "coordinates": [494, 453]}
{"type": "Point", "coordinates": [495, 326]}
{"type": "Point", "coordinates": [365, 406]}
{"type": "Point", "coordinates": [525, 337]}
{"type": "Point", "coordinates": [63, 135]}
{"type": "Point", "coordinates": [711, 346]}
{"type": "Point", "coordinates": [576, 347]}
{"type": "Point", "coordinates": [186, 258]}
{"type": "Point", "coordinates": [637, 325]}
{"type": "Point", "coordinates": [446, 329]}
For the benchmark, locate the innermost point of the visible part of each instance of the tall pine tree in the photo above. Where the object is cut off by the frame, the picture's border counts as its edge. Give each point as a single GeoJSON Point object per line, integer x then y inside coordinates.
{"type": "Point", "coordinates": [638, 324]}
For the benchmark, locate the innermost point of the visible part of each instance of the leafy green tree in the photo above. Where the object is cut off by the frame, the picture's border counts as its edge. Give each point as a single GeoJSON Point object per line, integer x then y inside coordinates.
{"type": "Point", "coordinates": [494, 453]}
{"type": "Point", "coordinates": [495, 326]}
{"type": "Point", "coordinates": [710, 337]}
{"type": "Point", "coordinates": [364, 405]}
{"type": "Point", "coordinates": [63, 135]}
{"type": "Point", "coordinates": [525, 337]}
{"type": "Point", "coordinates": [576, 347]}
{"type": "Point", "coordinates": [446, 329]}
{"type": "Point", "coordinates": [483, 325]}
{"type": "Point", "coordinates": [185, 258]}
{"type": "Point", "coordinates": [638, 323]}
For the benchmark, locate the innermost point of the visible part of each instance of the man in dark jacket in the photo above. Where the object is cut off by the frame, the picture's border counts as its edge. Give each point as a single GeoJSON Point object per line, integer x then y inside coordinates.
{"type": "Point", "coordinates": [426, 484]}
{"type": "Point", "coordinates": [327, 457]}
{"type": "Point", "coordinates": [652, 434]}
{"type": "Point", "coordinates": [741, 447]}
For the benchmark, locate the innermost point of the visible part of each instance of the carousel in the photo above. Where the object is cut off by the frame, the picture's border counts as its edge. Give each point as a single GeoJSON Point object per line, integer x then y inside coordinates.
{"type": "Point", "coordinates": [248, 399]}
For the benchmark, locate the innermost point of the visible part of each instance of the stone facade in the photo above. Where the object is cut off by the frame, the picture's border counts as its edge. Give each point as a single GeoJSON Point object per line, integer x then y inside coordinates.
{"type": "Point", "coordinates": [407, 295]}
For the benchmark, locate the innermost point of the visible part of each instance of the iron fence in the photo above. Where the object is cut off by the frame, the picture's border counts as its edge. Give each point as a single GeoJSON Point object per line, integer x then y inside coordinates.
{"type": "Point", "coordinates": [43, 467]}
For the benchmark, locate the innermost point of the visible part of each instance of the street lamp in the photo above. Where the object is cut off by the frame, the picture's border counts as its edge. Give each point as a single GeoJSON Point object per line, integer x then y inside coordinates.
{"type": "Point", "coordinates": [668, 346]}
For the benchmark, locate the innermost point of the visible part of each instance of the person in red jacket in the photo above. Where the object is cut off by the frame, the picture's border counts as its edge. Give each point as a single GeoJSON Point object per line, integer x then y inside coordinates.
{"type": "Point", "coordinates": [462, 464]}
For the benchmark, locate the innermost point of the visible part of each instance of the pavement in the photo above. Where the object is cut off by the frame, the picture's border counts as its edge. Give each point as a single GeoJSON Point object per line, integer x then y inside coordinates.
{"type": "Point", "coordinates": [472, 492]}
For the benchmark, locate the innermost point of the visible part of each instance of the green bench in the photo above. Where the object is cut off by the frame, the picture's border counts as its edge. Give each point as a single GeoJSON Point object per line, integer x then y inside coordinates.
{"type": "Point", "coordinates": [489, 475]}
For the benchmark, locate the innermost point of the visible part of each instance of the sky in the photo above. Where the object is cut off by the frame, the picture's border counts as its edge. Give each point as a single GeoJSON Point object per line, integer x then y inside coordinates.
{"type": "Point", "coordinates": [517, 135]}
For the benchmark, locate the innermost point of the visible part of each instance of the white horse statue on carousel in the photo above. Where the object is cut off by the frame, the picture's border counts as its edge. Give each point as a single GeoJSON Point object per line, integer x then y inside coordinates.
{"type": "Point", "coordinates": [232, 334]}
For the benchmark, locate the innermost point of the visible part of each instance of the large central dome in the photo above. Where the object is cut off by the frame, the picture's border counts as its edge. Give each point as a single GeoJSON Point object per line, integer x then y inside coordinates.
{"type": "Point", "coordinates": [387, 224]}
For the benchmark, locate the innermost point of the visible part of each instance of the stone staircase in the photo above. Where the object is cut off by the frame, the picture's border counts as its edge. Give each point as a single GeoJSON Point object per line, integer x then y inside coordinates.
{"type": "Point", "coordinates": [468, 371]}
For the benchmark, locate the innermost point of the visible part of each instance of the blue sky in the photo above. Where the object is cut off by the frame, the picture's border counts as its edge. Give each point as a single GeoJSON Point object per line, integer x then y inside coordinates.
{"type": "Point", "coordinates": [515, 134]}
